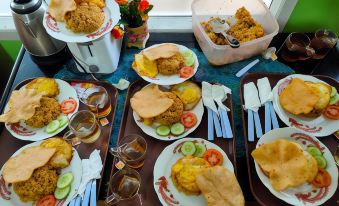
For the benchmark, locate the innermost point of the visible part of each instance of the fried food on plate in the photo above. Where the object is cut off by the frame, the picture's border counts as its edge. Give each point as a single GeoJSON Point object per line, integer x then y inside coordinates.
{"type": "Point", "coordinates": [144, 66]}
{"type": "Point", "coordinates": [20, 167]}
{"type": "Point", "coordinates": [285, 164]}
{"type": "Point", "coordinates": [63, 154]}
{"type": "Point", "coordinates": [43, 182]}
{"type": "Point", "coordinates": [150, 101]}
{"type": "Point", "coordinates": [173, 113]}
{"type": "Point", "coordinates": [171, 65]}
{"type": "Point", "coordinates": [183, 174]}
{"type": "Point", "coordinates": [22, 104]}
{"type": "Point", "coordinates": [86, 18]}
{"type": "Point", "coordinates": [48, 110]}
{"type": "Point", "coordinates": [189, 93]}
{"type": "Point", "coordinates": [324, 93]}
{"type": "Point", "coordinates": [59, 8]}
{"type": "Point", "coordinates": [100, 3]}
{"type": "Point", "coordinates": [47, 86]}
{"type": "Point", "coordinates": [161, 51]}
{"type": "Point", "coordinates": [298, 98]}
{"type": "Point", "coordinates": [219, 187]}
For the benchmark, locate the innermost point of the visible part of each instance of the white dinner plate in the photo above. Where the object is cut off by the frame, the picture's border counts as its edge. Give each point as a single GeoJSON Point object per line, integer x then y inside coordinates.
{"type": "Point", "coordinates": [24, 132]}
{"type": "Point", "coordinates": [319, 127]}
{"type": "Point", "coordinates": [162, 170]}
{"type": "Point", "coordinates": [161, 79]}
{"type": "Point", "coordinates": [304, 194]}
{"type": "Point", "coordinates": [75, 167]}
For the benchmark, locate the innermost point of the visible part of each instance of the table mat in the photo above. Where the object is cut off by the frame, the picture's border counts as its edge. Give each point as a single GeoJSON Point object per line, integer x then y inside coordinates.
{"type": "Point", "coordinates": [219, 74]}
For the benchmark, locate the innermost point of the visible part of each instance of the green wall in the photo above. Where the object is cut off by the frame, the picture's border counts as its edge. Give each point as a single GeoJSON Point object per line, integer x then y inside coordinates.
{"type": "Point", "coordinates": [11, 47]}
{"type": "Point", "coordinates": [310, 15]}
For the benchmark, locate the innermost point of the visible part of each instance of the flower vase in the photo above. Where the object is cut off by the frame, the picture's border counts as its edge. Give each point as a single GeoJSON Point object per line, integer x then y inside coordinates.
{"type": "Point", "coordinates": [136, 37]}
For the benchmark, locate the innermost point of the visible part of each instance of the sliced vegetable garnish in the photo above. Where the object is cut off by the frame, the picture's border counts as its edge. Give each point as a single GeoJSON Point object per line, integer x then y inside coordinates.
{"type": "Point", "coordinates": [314, 151]}
{"type": "Point", "coordinates": [200, 150]}
{"type": "Point", "coordinates": [163, 130]}
{"type": "Point", "coordinates": [52, 126]}
{"type": "Point", "coordinates": [334, 99]}
{"type": "Point", "coordinates": [177, 129]}
{"type": "Point", "coordinates": [332, 112]}
{"type": "Point", "coordinates": [68, 106]}
{"type": "Point", "coordinates": [323, 179]}
{"type": "Point", "coordinates": [189, 58]}
{"type": "Point", "coordinates": [187, 53]}
{"type": "Point", "coordinates": [63, 120]}
{"type": "Point", "coordinates": [186, 72]}
{"type": "Point", "coordinates": [321, 161]}
{"type": "Point", "coordinates": [65, 180]}
{"type": "Point", "coordinates": [61, 193]}
{"type": "Point", "coordinates": [214, 157]}
{"type": "Point", "coordinates": [188, 148]}
{"type": "Point", "coordinates": [48, 200]}
{"type": "Point", "coordinates": [188, 119]}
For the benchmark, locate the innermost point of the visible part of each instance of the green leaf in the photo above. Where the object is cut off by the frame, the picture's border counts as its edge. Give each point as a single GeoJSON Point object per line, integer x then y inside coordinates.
{"type": "Point", "coordinates": [122, 21]}
{"type": "Point", "coordinates": [124, 10]}
{"type": "Point", "coordinates": [149, 9]}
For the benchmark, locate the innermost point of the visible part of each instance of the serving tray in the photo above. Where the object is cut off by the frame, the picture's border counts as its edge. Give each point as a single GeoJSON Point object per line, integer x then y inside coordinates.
{"type": "Point", "coordinates": [155, 147]}
{"type": "Point", "coordinates": [9, 144]}
{"type": "Point", "coordinates": [259, 191]}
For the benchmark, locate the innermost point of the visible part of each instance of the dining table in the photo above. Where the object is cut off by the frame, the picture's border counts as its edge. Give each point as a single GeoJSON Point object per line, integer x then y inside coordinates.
{"type": "Point", "coordinates": [24, 68]}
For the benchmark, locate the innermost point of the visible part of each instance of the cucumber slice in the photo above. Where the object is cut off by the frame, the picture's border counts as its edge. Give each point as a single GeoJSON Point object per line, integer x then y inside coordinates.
{"type": "Point", "coordinates": [52, 126]}
{"type": "Point", "coordinates": [177, 129]}
{"type": "Point", "coordinates": [321, 161]}
{"type": "Point", "coordinates": [314, 151]}
{"type": "Point", "coordinates": [199, 150]}
{"type": "Point", "coordinates": [187, 53]}
{"type": "Point", "coordinates": [333, 92]}
{"type": "Point", "coordinates": [189, 61]}
{"type": "Point", "coordinates": [334, 99]}
{"type": "Point", "coordinates": [65, 180]}
{"type": "Point", "coordinates": [63, 120]}
{"type": "Point", "coordinates": [163, 130]}
{"type": "Point", "coordinates": [61, 193]}
{"type": "Point", "coordinates": [188, 148]}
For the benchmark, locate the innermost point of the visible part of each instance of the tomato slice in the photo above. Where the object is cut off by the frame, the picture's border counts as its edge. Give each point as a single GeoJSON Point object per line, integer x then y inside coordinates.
{"type": "Point", "coordinates": [48, 200]}
{"type": "Point", "coordinates": [188, 119]}
{"type": "Point", "coordinates": [68, 106]}
{"type": "Point", "coordinates": [214, 157]}
{"type": "Point", "coordinates": [186, 72]}
{"type": "Point", "coordinates": [332, 112]}
{"type": "Point", "coordinates": [323, 179]}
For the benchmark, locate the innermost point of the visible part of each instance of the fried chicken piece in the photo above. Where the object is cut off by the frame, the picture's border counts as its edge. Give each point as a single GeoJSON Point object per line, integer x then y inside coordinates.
{"type": "Point", "coordinates": [48, 86]}
{"type": "Point", "coordinates": [87, 18]}
{"type": "Point", "coordinates": [171, 115]}
{"type": "Point", "coordinates": [48, 110]}
{"type": "Point", "coordinates": [100, 3]}
{"type": "Point", "coordinates": [172, 65]}
{"type": "Point", "coordinates": [63, 155]}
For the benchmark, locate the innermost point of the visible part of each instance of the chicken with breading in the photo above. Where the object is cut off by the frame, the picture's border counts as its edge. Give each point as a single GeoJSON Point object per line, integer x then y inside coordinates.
{"type": "Point", "coordinates": [63, 154]}
{"type": "Point", "coordinates": [86, 18]}
{"type": "Point", "coordinates": [48, 110]}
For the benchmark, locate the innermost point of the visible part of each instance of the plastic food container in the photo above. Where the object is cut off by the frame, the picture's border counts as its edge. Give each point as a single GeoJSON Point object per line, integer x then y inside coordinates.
{"type": "Point", "coordinates": [203, 10]}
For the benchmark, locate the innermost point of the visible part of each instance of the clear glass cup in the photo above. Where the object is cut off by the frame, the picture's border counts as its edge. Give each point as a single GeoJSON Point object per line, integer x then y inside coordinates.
{"type": "Point", "coordinates": [97, 100]}
{"type": "Point", "coordinates": [131, 150]}
{"type": "Point", "coordinates": [322, 42]}
{"type": "Point", "coordinates": [83, 126]}
{"type": "Point", "coordinates": [297, 47]}
{"type": "Point", "coordinates": [125, 185]}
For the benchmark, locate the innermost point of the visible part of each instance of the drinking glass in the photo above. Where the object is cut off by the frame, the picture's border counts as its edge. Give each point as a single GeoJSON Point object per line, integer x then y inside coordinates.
{"type": "Point", "coordinates": [131, 150]}
{"type": "Point", "coordinates": [297, 47]}
{"type": "Point", "coordinates": [97, 100]}
{"type": "Point", "coordinates": [322, 42]}
{"type": "Point", "coordinates": [84, 126]}
{"type": "Point", "coordinates": [125, 185]}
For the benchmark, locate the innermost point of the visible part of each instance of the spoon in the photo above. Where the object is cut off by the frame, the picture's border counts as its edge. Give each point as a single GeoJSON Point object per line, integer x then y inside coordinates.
{"type": "Point", "coordinates": [221, 28]}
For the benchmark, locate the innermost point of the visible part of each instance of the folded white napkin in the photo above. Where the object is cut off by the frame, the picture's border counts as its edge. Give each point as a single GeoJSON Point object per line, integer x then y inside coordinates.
{"type": "Point", "coordinates": [265, 91]}
{"type": "Point", "coordinates": [207, 97]}
{"type": "Point", "coordinates": [251, 97]}
{"type": "Point", "coordinates": [91, 169]}
{"type": "Point", "coordinates": [122, 84]}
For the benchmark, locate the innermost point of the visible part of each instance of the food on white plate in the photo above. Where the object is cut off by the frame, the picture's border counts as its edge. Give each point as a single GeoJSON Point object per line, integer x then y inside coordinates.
{"type": "Point", "coordinates": [165, 59]}
{"type": "Point", "coordinates": [68, 106]}
{"type": "Point", "coordinates": [48, 111]}
{"type": "Point", "coordinates": [245, 29]}
{"type": "Point", "coordinates": [189, 93]}
{"type": "Point", "coordinates": [63, 154]}
{"type": "Point", "coordinates": [305, 98]}
{"type": "Point", "coordinates": [22, 104]}
{"type": "Point", "coordinates": [213, 157]}
{"type": "Point", "coordinates": [80, 16]}
{"type": "Point", "coordinates": [47, 86]}
{"type": "Point", "coordinates": [285, 163]}
{"type": "Point", "coordinates": [35, 171]}
{"type": "Point", "coordinates": [219, 187]}
{"type": "Point", "coordinates": [183, 174]}
{"type": "Point", "coordinates": [173, 113]}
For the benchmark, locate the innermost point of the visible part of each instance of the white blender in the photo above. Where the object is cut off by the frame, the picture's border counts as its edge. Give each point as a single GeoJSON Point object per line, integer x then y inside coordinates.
{"type": "Point", "coordinates": [98, 52]}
